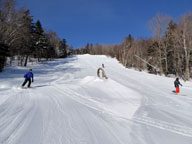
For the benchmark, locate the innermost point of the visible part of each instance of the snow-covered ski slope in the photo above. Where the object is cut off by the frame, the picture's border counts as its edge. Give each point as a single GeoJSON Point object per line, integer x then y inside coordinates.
{"type": "Point", "coordinates": [68, 104]}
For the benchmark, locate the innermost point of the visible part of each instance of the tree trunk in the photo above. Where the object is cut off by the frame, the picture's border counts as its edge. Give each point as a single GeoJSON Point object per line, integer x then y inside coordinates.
{"type": "Point", "coordinates": [160, 63]}
{"type": "Point", "coordinates": [187, 71]}
{"type": "Point", "coordinates": [26, 59]}
{"type": "Point", "coordinates": [166, 66]}
{"type": "Point", "coordinates": [186, 58]}
{"type": "Point", "coordinates": [11, 60]}
{"type": "Point", "coordinates": [21, 61]}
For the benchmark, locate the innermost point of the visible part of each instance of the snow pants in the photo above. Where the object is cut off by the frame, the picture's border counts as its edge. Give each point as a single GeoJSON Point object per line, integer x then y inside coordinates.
{"type": "Point", "coordinates": [177, 89]}
{"type": "Point", "coordinates": [27, 80]}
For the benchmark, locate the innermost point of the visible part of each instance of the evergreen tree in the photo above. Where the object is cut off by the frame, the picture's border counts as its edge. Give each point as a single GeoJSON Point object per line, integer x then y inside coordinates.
{"type": "Point", "coordinates": [3, 54]}
{"type": "Point", "coordinates": [87, 48]}
{"type": "Point", "coordinates": [26, 46]}
{"type": "Point", "coordinates": [63, 48]}
{"type": "Point", "coordinates": [170, 43]}
{"type": "Point", "coordinates": [39, 29]}
{"type": "Point", "coordinates": [41, 42]}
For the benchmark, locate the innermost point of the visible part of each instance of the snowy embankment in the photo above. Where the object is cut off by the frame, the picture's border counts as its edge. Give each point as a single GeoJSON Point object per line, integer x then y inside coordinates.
{"type": "Point", "coordinates": [68, 104]}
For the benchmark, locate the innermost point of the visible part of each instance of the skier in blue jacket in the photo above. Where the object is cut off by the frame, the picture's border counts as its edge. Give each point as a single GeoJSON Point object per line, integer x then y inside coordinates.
{"type": "Point", "coordinates": [28, 76]}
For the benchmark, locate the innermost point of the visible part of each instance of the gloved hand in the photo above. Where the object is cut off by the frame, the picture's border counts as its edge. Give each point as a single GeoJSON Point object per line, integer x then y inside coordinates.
{"type": "Point", "coordinates": [32, 80]}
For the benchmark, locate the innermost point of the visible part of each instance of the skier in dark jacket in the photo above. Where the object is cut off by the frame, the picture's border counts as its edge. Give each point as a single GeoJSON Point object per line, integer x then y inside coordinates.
{"type": "Point", "coordinates": [28, 76]}
{"type": "Point", "coordinates": [177, 83]}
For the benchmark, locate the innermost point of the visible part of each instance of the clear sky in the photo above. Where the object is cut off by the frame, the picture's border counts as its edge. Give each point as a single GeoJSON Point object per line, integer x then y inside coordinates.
{"type": "Point", "coordinates": [101, 21]}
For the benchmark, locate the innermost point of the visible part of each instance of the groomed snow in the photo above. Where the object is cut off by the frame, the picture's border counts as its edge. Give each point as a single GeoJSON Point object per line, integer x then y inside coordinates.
{"type": "Point", "coordinates": [69, 104]}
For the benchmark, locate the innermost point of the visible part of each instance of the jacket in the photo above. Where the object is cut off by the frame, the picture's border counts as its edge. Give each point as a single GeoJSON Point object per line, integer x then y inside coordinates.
{"type": "Point", "coordinates": [28, 75]}
{"type": "Point", "coordinates": [177, 83]}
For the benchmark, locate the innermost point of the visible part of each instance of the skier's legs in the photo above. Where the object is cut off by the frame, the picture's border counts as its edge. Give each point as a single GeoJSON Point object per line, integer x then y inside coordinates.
{"type": "Point", "coordinates": [24, 83]}
{"type": "Point", "coordinates": [29, 82]}
{"type": "Point", "coordinates": [177, 90]}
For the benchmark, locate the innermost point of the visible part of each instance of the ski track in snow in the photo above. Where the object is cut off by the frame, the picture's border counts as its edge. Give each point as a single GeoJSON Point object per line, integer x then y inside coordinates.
{"type": "Point", "coordinates": [68, 104]}
{"type": "Point", "coordinates": [164, 125]}
{"type": "Point", "coordinates": [142, 120]}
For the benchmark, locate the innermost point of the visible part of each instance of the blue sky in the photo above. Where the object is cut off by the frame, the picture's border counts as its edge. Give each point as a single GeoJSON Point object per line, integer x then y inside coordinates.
{"type": "Point", "coordinates": [101, 21]}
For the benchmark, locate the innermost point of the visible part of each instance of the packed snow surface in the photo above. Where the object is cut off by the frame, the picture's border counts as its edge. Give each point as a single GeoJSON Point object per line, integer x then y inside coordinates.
{"type": "Point", "coordinates": [69, 104]}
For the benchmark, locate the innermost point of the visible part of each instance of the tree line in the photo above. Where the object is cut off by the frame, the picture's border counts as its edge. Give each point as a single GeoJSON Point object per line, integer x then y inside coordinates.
{"type": "Point", "coordinates": [23, 39]}
{"type": "Point", "coordinates": [168, 51]}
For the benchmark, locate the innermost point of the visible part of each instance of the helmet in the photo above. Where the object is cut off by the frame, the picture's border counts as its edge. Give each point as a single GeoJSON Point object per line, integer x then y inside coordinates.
{"type": "Point", "coordinates": [30, 70]}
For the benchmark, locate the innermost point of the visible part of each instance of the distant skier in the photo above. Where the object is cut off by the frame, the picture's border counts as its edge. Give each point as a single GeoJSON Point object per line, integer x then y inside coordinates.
{"type": "Point", "coordinates": [28, 76]}
{"type": "Point", "coordinates": [103, 66]}
{"type": "Point", "coordinates": [177, 83]}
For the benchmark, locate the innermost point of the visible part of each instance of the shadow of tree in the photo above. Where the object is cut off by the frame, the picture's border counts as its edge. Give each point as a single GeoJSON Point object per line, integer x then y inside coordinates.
{"type": "Point", "coordinates": [42, 68]}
